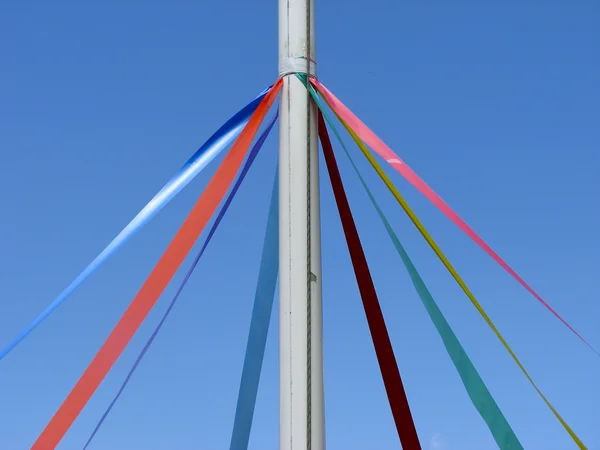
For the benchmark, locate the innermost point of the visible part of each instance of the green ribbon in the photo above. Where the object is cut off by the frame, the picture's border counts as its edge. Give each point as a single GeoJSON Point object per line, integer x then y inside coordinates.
{"type": "Point", "coordinates": [478, 392]}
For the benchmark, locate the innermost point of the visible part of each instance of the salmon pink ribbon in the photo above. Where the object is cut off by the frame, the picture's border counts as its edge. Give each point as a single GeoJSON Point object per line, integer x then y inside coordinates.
{"type": "Point", "coordinates": [156, 283]}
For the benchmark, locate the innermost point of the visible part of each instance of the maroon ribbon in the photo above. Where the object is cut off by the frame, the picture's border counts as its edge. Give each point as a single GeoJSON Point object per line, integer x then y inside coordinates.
{"type": "Point", "coordinates": [379, 334]}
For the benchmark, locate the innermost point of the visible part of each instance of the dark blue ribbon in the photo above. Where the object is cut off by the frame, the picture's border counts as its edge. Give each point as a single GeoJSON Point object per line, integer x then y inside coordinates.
{"type": "Point", "coordinates": [251, 157]}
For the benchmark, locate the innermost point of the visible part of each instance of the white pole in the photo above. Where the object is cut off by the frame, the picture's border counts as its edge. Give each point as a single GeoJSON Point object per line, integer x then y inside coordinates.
{"type": "Point", "coordinates": [301, 403]}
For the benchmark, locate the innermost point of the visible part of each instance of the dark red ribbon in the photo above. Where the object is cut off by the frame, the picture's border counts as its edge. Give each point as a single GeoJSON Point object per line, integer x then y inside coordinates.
{"type": "Point", "coordinates": [381, 339]}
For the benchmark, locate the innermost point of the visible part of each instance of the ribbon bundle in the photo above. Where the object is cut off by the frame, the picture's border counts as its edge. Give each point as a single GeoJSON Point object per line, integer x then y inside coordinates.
{"type": "Point", "coordinates": [245, 124]}
{"type": "Point", "coordinates": [156, 282]}
{"type": "Point", "coordinates": [501, 431]}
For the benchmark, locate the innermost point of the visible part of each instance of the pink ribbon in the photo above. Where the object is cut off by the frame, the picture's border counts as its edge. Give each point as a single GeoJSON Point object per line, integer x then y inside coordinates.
{"type": "Point", "coordinates": [377, 145]}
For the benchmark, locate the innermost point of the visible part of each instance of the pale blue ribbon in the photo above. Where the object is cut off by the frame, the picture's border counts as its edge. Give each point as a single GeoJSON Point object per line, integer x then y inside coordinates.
{"type": "Point", "coordinates": [205, 154]}
{"type": "Point", "coordinates": [259, 328]}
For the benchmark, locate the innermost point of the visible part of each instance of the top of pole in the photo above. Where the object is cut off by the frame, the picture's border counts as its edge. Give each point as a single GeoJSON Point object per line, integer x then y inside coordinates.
{"type": "Point", "coordinates": [296, 37]}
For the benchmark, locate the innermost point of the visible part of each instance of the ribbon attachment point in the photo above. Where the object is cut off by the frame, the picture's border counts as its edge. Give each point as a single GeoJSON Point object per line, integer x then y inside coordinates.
{"type": "Point", "coordinates": [297, 64]}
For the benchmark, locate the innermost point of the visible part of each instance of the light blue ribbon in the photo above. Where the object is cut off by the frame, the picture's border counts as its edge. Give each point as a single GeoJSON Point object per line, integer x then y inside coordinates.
{"type": "Point", "coordinates": [259, 328]}
{"type": "Point", "coordinates": [205, 154]}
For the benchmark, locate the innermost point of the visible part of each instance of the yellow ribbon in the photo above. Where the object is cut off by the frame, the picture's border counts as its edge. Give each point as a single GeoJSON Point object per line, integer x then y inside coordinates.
{"type": "Point", "coordinates": [415, 220]}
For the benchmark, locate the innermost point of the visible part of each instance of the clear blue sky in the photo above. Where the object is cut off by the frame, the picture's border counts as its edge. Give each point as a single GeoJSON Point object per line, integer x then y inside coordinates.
{"type": "Point", "coordinates": [495, 106]}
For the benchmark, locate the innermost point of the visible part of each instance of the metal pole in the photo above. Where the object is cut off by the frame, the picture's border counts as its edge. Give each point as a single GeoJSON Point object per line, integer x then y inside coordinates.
{"type": "Point", "coordinates": [301, 403]}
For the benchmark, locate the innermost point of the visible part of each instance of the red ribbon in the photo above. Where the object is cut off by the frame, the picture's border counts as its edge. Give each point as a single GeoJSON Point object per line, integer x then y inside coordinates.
{"type": "Point", "coordinates": [156, 283]}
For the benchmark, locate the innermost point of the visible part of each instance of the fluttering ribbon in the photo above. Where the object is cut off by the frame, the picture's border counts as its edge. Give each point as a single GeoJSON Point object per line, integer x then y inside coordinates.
{"type": "Point", "coordinates": [405, 206]}
{"type": "Point", "coordinates": [391, 158]}
{"type": "Point", "coordinates": [158, 280]}
{"type": "Point", "coordinates": [247, 165]}
{"type": "Point", "coordinates": [205, 154]}
{"type": "Point", "coordinates": [379, 334]}
{"type": "Point", "coordinates": [259, 329]}
{"type": "Point", "coordinates": [476, 388]}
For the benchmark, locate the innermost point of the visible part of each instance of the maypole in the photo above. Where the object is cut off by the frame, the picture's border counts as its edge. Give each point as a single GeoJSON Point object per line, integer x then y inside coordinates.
{"type": "Point", "coordinates": [301, 403]}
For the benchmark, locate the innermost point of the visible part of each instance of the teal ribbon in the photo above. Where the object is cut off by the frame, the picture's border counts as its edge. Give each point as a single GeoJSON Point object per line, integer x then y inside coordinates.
{"type": "Point", "coordinates": [476, 388]}
{"type": "Point", "coordinates": [259, 328]}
